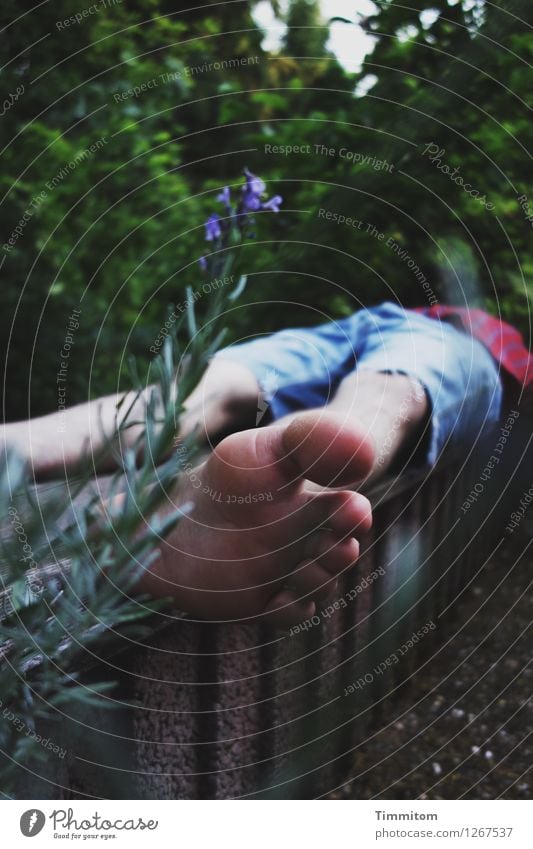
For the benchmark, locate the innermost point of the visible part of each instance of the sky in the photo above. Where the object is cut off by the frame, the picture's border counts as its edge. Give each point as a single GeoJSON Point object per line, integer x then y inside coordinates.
{"type": "Point", "coordinates": [349, 43]}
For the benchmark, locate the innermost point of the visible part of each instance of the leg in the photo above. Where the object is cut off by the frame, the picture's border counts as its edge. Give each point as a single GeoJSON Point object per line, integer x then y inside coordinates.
{"type": "Point", "coordinates": [300, 544]}
{"type": "Point", "coordinates": [420, 387]}
{"type": "Point", "coordinates": [305, 453]}
{"type": "Point", "coordinates": [256, 527]}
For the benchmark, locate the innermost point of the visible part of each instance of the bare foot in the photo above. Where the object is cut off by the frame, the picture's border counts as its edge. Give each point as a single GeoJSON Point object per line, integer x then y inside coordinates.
{"type": "Point", "coordinates": [257, 542]}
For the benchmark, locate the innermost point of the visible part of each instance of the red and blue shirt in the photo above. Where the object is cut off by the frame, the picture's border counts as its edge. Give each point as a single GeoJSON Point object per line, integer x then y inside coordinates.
{"type": "Point", "coordinates": [502, 340]}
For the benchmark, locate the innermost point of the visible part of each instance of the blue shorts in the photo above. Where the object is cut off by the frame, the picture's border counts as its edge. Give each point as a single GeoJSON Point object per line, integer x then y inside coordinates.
{"type": "Point", "coordinates": [301, 368]}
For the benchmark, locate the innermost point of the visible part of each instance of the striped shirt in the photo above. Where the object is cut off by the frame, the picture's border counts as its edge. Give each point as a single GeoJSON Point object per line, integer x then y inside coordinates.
{"type": "Point", "coordinates": [503, 341]}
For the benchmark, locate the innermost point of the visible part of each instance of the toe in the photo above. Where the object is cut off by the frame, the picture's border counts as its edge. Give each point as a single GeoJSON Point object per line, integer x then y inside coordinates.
{"type": "Point", "coordinates": [311, 581]}
{"type": "Point", "coordinates": [351, 512]}
{"type": "Point", "coordinates": [333, 555]}
{"type": "Point", "coordinates": [344, 512]}
{"type": "Point", "coordinates": [286, 608]}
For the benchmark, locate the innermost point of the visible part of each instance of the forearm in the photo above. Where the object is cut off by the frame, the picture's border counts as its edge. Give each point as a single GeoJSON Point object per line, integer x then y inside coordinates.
{"type": "Point", "coordinates": [59, 442]}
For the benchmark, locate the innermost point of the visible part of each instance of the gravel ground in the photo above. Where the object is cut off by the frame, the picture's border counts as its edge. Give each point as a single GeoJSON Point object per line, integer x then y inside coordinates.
{"type": "Point", "coordinates": [463, 729]}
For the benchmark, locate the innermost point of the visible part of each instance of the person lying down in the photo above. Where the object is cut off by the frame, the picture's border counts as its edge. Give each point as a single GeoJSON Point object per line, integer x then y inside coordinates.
{"type": "Point", "coordinates": [314, 417]}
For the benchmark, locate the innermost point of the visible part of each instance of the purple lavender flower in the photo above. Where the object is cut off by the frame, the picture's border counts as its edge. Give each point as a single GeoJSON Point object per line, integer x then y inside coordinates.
{"type": "Point", "coordinates": [252, 190]}
{"type": "Point", "coordinates": [225, 197]}
{"type": "Point", "coordinates": [273, 203]}
{"type": "Point", "coordinates": [239, 220]}
{"type": "Point", "coordinates": [250, 202]}
{"type": "Point", "coordinates": [254, 185]}
{"type": "Point", "coordinates": [212, 228]}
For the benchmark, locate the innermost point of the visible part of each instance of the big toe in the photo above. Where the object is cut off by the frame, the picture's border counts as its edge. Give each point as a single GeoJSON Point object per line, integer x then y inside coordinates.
{"type": "Point", "coordinates": [318, 445]}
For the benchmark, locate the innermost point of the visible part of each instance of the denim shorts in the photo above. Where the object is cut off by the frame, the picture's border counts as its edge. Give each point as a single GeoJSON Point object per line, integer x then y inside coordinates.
{"type": "Point", "coordinates": [301, 368]}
